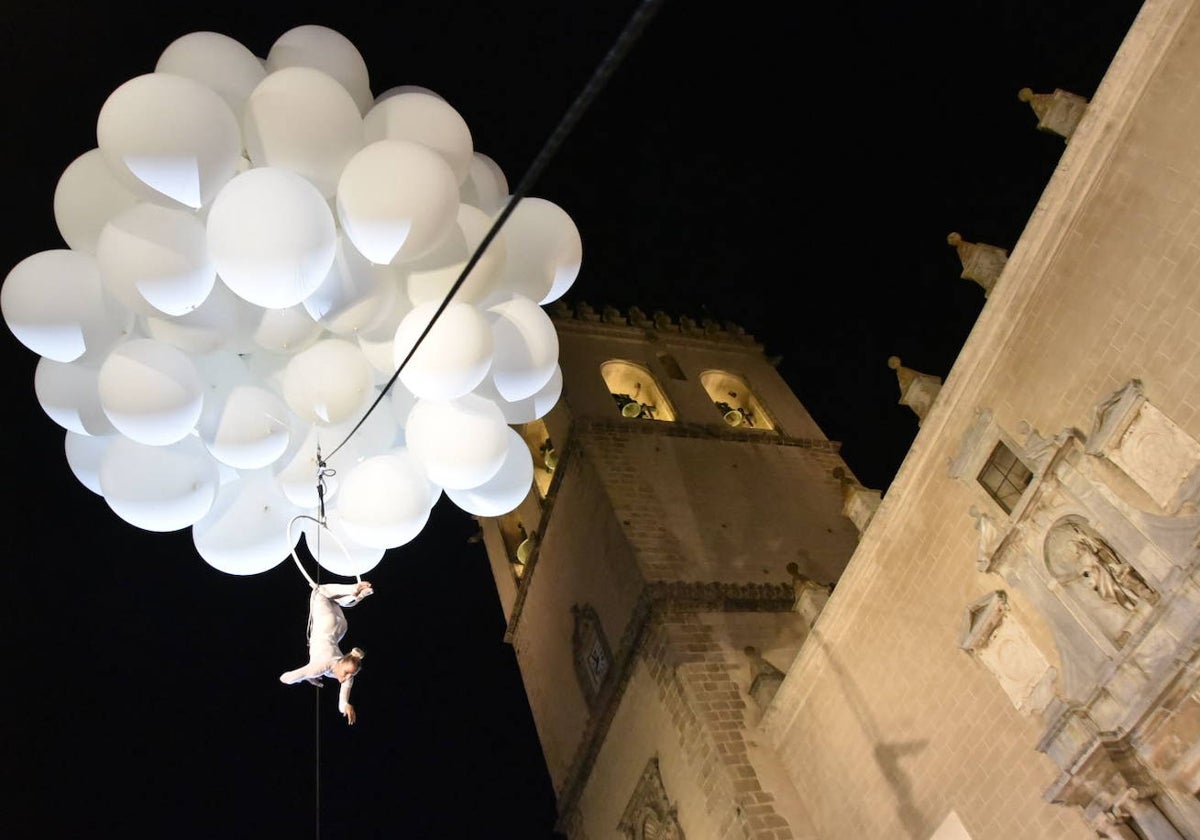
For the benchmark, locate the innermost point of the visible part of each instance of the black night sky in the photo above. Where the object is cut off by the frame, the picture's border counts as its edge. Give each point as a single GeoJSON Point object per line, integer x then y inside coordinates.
{"type": "Point", "coordinates": [791, 168]}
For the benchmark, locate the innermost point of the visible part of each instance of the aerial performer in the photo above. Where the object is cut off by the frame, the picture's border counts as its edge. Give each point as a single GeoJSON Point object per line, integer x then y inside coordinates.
{"type": "Point", "coordinates": [326, 627]}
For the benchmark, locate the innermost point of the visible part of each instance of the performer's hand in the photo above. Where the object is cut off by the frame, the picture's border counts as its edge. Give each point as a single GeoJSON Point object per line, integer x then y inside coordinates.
{"type": "Point", "coordinates": [315, 681]}
{"type": "Point", "coordinates": [350, 714]}
{"type": "Point", "coordinates": [363, 589]}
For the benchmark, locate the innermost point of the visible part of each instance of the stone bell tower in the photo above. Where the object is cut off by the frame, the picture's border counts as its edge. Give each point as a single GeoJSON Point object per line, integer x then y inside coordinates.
{"type": "Point", "coordinates": [651, 580]}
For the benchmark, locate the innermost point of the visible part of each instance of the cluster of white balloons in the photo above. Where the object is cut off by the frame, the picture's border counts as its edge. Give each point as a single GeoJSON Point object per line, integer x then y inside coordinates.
{"type": "Point", "coordinates": [255, 245]}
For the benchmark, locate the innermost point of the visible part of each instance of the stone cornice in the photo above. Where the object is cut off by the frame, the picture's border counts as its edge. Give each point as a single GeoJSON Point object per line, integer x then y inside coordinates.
{"type": "Point", "coordinates": [634, 323]}
{"type": "Point", "coordinates": [707, 431]}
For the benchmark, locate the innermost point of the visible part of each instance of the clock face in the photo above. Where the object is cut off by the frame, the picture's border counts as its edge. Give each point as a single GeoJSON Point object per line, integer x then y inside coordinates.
{"type": "Point", "coordinates": [597, 661]}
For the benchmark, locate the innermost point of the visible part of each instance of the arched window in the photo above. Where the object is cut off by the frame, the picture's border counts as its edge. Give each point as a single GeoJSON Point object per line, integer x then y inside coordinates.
{"type": "Point", "coordinates": [518, 543]}
{"type": "Point", "coordinates": [545, 455]}
{"type": "Point", "coordinates": [635, 391]}
{"type": "Point", "coordinates": [732, 397]}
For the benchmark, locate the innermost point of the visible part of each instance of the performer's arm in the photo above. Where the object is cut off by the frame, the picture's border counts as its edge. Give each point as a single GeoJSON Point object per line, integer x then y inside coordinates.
{"type": "Point", "coordinates": [346, 594]}
{"type": "Point", "coordinates": [344, 702]}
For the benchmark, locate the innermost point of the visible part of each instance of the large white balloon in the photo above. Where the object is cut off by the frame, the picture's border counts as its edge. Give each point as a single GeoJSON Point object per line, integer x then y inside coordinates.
{"type": "Point", "coordinates": [69, 394]}
{"type": "Point", "coordinates": [355, 295]}
{"type": "Point", "coordinates": [426, 119]}
{"type": "Point", "coordinates": [327, 50]}
{"type": "Point", "coordinates": [247, 427]}
{"type": "Point", "coordinates": [433, 276]}
{"type": "Point", "coordinates": [215, 61]}
{"type": "Point", "coordinates": [155, 260]}
{"type": "Point", "coordinates": [544, 251]}
{"type": "Point", "coordinates": [378, 342]}
{"type": "Point", "coordinates": [526, 348]}
{"type": "Point", "coordinates": [528, 409]}
{"type": "Point", "coordinates": [501, 493]}
{"type": "Point", "coordinates": [172, 134]}
{"type": "Point", "coordinates": [462, 442]}
{"type": "Point", "coordinates": [454, 355]}
{"type": "Point", "coordinates": [329, 382]}
{"type": "Point", "coordinates": [151, 391]}
{"type": "Point", "coordinates": [88, 194]}
{"type": "Point", "coordinates": [55, 304]}
{"type": "Point", "coordinates": [287, 330]}
{"type": "Point", "coordinates": [485, 186]}
{"type": "Point", "coordinates": [246, 532]}
{"type": "Point", "coordinates": [302, 120]}
{"type": "Point", "coordinates": [159, 488]}
{"type": "Point", "coordinates": [272, 237]}
{"type": "Point", "coordinates": [84, 454]}
{"type": "Point", "coordinates": [396, 200]}
{"type": "Point", "coordinates": [222, 321]}
{"type": "Point", "coordinates": [384, 501]}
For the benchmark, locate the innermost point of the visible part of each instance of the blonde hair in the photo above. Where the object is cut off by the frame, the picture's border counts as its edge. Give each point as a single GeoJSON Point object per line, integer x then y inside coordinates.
{"type": "Point", "coordinates": [357, 653]}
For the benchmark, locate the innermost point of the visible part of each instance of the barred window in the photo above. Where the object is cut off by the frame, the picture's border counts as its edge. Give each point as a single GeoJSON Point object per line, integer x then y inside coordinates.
{"type": "Point", "coordinates": [1005, 477]}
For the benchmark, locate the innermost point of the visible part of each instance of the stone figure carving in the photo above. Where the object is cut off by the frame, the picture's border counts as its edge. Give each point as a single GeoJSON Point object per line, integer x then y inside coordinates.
{"type": "Point", "coordinates": [1074, 553]}
{"type": "Point", "coordinates": [989, 535]}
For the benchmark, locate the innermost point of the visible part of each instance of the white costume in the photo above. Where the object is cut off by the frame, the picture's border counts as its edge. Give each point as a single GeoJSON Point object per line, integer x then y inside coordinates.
{"type": "Point", "coordinates": [326, 626]}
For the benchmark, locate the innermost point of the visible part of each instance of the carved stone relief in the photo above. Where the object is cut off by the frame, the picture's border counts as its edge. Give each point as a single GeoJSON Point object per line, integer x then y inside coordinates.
{"type": "Point", "coordinates": [650, 814]}
{"type": "Point", "coordinates": [1143, 442]}
{"type": "Point", "coordinates": [999, 641]}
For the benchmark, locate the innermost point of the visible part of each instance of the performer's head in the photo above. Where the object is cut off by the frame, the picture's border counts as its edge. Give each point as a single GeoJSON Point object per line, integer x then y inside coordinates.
{"type": "Point", "coordinates": [348, 665]}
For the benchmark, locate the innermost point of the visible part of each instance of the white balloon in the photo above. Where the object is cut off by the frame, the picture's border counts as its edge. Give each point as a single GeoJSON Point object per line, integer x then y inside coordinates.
{"type": "Point", "coordinates": [302, 120]}
{"type": "Point", "coordinates": [370, 432]}
{"type": "Point", "coordinates": [329, 382]}
{"type": "Point", "coordinates": [398, 89]}
{"type": "Point", "coordinates": [155, 260]}
{"type": "Point", "coordinates": [247, 428]}
{"type": "Point", "coordinates": [84, 456]}
{"type": "Point", "coordinates": [69, 394]}
{"type": "Point", "coordinates": [403, 401]}
{"type": "Point", "coordinates": [396, 200]}
{"type": "Point", "coordinates": [433, 276]}
{"type": "Point", "coordinates": [501, 493]}
{"type": "Point", "coordinates": [544, 251]}
{"type": "Point", "coordinates": [528, 409]}
{"type": "Point", "coordinates": [327, 50]}
{"type": "Point", "coordinates": [246, 532]}
{"type": "Point", "coordinates": [384, 501]}
{"type": "Point", "coordinates": [485, 186]}
{"type": "Point", "coordinates": [425, 119]}
{"type": "Point", "coordinates": [216, 61]}
{"type": "Point", "coordinates": [454, 355]}
{"type": "Point", "coordinates": [171, 133]}
{"type": "Point", "coordinates": [462, 442]}
{"type": "Point", "coordinates": [287, 330]}
{"type": "Point", "coordinates": [378, 342]}
{"type": "Point", "coordinates": [272, 237]}
{"type": "Point", "coordinates": [222, 321]}
{"type": "Point", "coordinates": [526, 348]}
{"type": "Point", "coordinates": [158, 488]}
{"type": "Point", "coordinates": [151, 391]}
{"type": "Point", "coordinates": [55, 304]}
{"type": "Point", "coordinates": [88, 194]}
{"type": "Point", "coordinates": [335, 550]}
{"type": "Point", "coordinates": [355, 295]}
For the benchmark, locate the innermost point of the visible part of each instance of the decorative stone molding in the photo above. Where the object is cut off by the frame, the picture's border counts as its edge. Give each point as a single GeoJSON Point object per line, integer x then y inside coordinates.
{"type": "Point", "coordinates": [634, 320]}
{"type": "Point", "coordinates": [1058, 112]}
{"type": "Point", "coordinates": [996, 639]}
{"type": "Point", "coordinates": [590, 652]}
{"type": "Point", "coordinates": [650, 814]}
{"type": "Point", "coordinates": [1141, 441]}
{"type": "Point", "coordinates": [981, 263]}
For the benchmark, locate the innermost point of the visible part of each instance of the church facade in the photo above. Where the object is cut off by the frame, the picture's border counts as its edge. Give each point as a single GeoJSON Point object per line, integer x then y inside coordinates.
{"type": "Point", "coordinates": [723, 635]}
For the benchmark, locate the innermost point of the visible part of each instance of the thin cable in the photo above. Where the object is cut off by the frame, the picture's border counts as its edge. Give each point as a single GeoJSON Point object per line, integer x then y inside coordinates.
{"type": "Point", "coordinates": [603, 72]}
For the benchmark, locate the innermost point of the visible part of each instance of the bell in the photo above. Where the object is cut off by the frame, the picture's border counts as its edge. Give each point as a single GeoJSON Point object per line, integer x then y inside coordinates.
{"type": "Point", "coordinates": [550, 457]}
{"type": "Point", "coordinates": [631, 409]}
{"type": "Point", "coordinates": [734, 417]}
{"type": "Point", "coordinates": [524, 550]}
